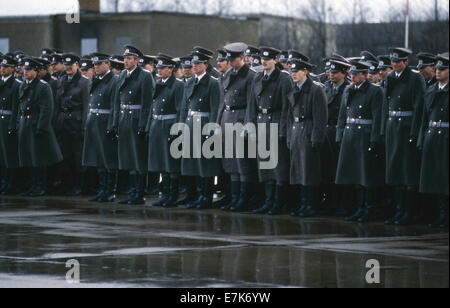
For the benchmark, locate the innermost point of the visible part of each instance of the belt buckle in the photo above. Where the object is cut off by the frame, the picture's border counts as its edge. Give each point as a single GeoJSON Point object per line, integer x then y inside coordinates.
{"type": "Point", "coordinates": [227, 108]}
{"type": "Point", "coordinates": [192, 113]}
{"type": "Point", "coordinates": [352, 120]}
{"type": "Point", "coordinates": [297, 119]}
{"type": "Point", "coordinates": [264, 110]}
{"type": "Point", "coordinates": [434, 124]}
{"type": "Point", "coordinates": [394, 113]}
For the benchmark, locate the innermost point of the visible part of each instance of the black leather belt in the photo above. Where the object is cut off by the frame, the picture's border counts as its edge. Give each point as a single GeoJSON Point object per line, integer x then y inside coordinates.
{"type": "Point", "coordinates": [230, 108]}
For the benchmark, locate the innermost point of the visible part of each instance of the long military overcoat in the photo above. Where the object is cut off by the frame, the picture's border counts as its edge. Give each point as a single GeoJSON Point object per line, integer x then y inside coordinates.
{"type": "Point", "coordinates": [357, 165]}
{"type": "Point", "coordinates": [35, 114]}
{"type": "Point", "coordinates": [134, 90]}
{"type": "Point", "coordinates": [307, 120]}
{"type": "Point", "coordinates": [404, 94]}
{"type": "Point", "coordinates": [9, 103]}
{"type": "Point", "coordinates": [434, 141]}
{"type": "Point", "coordinates": [236, 93]}
{"type": "Point", "coordinates": [100, 148]}
{"type": "Point", "coordinates": [164, 112]}
{"type": "Point", "coordinates": [269, 105]}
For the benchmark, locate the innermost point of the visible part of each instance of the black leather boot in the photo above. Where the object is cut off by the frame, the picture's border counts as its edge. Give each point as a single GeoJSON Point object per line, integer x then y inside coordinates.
{"type": "Point", "coordinates": [102, 182]}
{"type": "Point", "coordinates": [278, 201]}
{"type": "Point", "coordinates": [165, 190]}
{"type": "Point", "coordinates": [108, 194]}
{"type": "Point", "coordinates": [132, 191]}
{"type": "Point", "coordinates": [41, 183]}
{"type": "Point", "coordinates": [410, 209]}
{"type": "Point", "coordinates": [138, 197]}
{"type": "Point", "coordinates": [269, 190]}
{"type": "Point", "coordinates": [399, 200]}
{"type": "Point", "coordinates": [360, 196]}
{"type": "Point", "coordinates": [10, 188]}
{"type": "Point", "coordinates": [173, 193]}
{"type": "Point", "coordinates": [302, 204]}
{"type": "Point", "coordinates": [191, 191]}
{"type": "Point", "coordinates": [152, 187]}
{"type": "Point", "coordinates": [311, 202]}
{"type": "Point", "coordinates": [244, 198]}
{"type": "Point", "coordinates": [370, 210]}
{"type": "Point", "coordinates": [207, 194]}
{"type": "Point", "coordinates": [225, 192]}
{"type": "Point", "coordinates": [235, 192]}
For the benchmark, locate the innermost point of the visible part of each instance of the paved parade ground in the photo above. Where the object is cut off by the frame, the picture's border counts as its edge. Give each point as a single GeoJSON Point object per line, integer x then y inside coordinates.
{"type": "Point", "coordinates": [143, 246]}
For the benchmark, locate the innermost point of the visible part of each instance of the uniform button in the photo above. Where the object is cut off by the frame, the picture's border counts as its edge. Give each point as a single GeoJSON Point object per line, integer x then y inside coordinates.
{"type": "Point", "coordinates": [439, 132]}
{"type": "Point", "coordinates": [130, 92]}
{"type": "Point", "coordinates": [131, 112]}
{"type": "Point", "coordinates": [90, 94]}
{"type": "Point", "coordinates": [164, 100]}
{"type": "Point", "coordinates": [359, 127]}
{"type": "Point", "coordinates": [100, 94]}
{"type": "Point", "coordinates": [360, 106]}
{"type": "Point", "coordinates": [348, 108]}
{"type": "Point", "coordinates": [98, 105]}
{"type": "Point", "coordinates": [359, 117]}
{"type": "Point", "coordinates": [399, 119]}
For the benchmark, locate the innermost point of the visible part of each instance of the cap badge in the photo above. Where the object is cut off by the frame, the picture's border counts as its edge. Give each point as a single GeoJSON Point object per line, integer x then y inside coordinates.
{"type": "Point", "coordinates": [294, 65]}
{"type": "Point", "coordinates": [395, 55]}
{"type": "Point", "coordinates": [84, 64]}
{"type": "Point", "coordinates": [333, 66]}
{"type": "Point", "coordinates": [68, 59]}
{"type": "Point", "coordinates": [266, 53]}
{"type": "Point", "coordinates": [27, 63]}
{"type": "Point", "coordinates": [353, 68]}
{"type": "Point", "coordinates": [127, 51]}
{"type": "Point", "coordinates": [4, 61]}
{"type": "Point", "coordinates": [381, 63]}
{"type": "Point", "coordinates": [195, 58]}
{"type": "Point", "coordinates": [160, 62]}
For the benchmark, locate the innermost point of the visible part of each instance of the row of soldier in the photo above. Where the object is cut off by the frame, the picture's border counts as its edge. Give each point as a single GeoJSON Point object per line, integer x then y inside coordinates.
{"type": "Point", "coordinates": [360, 141]}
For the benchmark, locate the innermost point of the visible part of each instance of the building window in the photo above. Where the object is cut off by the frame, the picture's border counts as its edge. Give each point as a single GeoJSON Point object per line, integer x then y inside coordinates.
{"type": "Point", "coordinates": [122, 41]}
{"type": "Point", "coordinates": [4, 45]}
{"type": "Point", "coordinates": [88, 45]}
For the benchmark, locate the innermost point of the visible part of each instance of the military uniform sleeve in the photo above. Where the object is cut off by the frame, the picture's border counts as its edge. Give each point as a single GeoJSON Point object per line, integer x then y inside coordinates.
{"type": "Point", "coordinates": [342, 117]}
{"type": "Point", "coordinates": [114, 96]}
{"type": "Point", "coordinates": [13, 122]}
{"type": "Point", "coordinates": [251, 111]}
{"type": "Point", "coordinates": [147, 88]}
{"type": "Point", "coordinates": [214, 100]}
{"type": "Point", "coordinates": [45, 102]}
{"type": "Point", "coordinates": [320, 115]}
{"type": "Point", "coordinates": [289, 121]}
{"type": "Point", "coordinates": [116, 104]}
{"type": "Point", "coordinates": [418, 97]}
{"type": "Point", "coordinates": [285, 89]}
{"type": "Point", "coordinates": [423, 126]}
{"type": "Point", "coordinates": [376, 107]}
{"type": "Point", "coordinates": [384, 113]}
{"type": "Point", "coordinates": [85, 102]}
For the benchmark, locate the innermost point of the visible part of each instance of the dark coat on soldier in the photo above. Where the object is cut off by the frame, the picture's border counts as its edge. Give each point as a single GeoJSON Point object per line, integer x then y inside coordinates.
{"type": "Point", "coordinates": [402, 156]}
{"type": "Point", "coordinates": [35, 114]}
{"type": "Point", "coordinates": [137, 89]}
{"type": "Point", "coordinates": [167, 100]}
{"type": "Point", "coordinates": [307, 120]}
{"type": "Point", "coordinates": [201, 97]}
{"type": "Point", "coordinates": [272, 95]}
{"type": "Point", "coordinates": [236, 93]}
{"type": "Point", "coordinates": [9, 104]}
{"type": "Point", "coordinates": [212, 71]}
{"type": "Point", "coordinates": [100, 149]}
{"type": "Point", "coordinates": [330, 150]}
{"type": "Point", "coordinates": [53, 82]}
{"type": "Point", "coordinates": [357, 165]}
{"type": "Point", "coordinates": [431, 82]}
{"type": "Point", "coordinates": [434, 142]}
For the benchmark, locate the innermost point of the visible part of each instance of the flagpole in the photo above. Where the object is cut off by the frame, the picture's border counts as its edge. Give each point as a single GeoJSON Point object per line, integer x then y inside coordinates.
{"type": "Point", "coordinates": [407, 25]}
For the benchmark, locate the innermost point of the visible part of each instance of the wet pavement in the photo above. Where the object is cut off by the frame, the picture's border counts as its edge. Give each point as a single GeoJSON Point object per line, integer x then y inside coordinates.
{"type": "Point", "coordinates": [143, 246]}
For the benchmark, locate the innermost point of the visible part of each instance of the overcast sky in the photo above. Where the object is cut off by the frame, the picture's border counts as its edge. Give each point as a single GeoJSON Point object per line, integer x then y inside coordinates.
{"type": "Point", "coordinates": [341, 9]}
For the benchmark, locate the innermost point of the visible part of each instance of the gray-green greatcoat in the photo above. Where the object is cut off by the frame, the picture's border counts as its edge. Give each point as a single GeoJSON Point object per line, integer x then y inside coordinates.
{"type": "Point", "coordinates": [269, 105]}
{"type": "Point", "coordinates": [309, 107]}
{"type": "Point", "coordinates": [135, 90]}
{"type": "Point", "coordinates": [236, 93]}
{"type": "Point", "coordinates": [202, 97]}
{"type": "Point", "coordinates": [35, 115]}
{"type": "Point", "coordinates": [357, 165]}
{"type": "Point", "coordinates": [434, 141]}
{"type": "Point", "coordinates": [167, 100]}
{"type": "Point", "coordinates": [404, 94]}
{"type": "Point", "coordinates": [9, 103]}
{"type": "Point", "coordinates": [100, 149]}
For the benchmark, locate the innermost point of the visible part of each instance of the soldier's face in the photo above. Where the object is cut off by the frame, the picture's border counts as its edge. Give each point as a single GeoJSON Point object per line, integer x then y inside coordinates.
{"type": "Point", "coordinates": [384, 72]}
{"type": "Point", "coordinates": [248, 60]}
{"type": "Point", "coordinates": [223, 66]}
{"type": "Point", "coordinates": [6, 71]}
{"type": "Point", "coordinates": [188, 72]}
{"type": "Point", "coordinates": [88, 73]}
{"type": "Point", "coordinates": [268, 65]}
{"type": "Point", "coordinates": [359, 78]}
{"type": "Point", "coordinates": [116, 71]}
{"type": "Point", "coordinates": [237, 63]}
{"type": "Point", "coordinates": [442, 75]}
{"type": "Point", "coordinates": [71, 69]}
{"type": "Point", "coordinates": [399, 66]}
{"type": "Point", "coordinates": [43, 73]}
{"type": "Point", "coordinates": [337, 78]}
{"type": "Point", "coordinates": [165, 72]}
{"type": "Point", "coordinates": [58, 68]}
{"type": "Point", "coordinates": [199, 68]}
{"type": "Point", "coordinates": [285, 66]}
{"type": "Point", "coordinates": [428, 72]}
{"type": "Point", "coordinates": [30, 74]}
{"type": "Point", "coordinates": [130, 62]}
{"type": "Point", "coordinates": [101, 68]}
{"type": "Point", "coordinates": [299, 76]}
{"type": "Point", "coordinates": [373, 78]}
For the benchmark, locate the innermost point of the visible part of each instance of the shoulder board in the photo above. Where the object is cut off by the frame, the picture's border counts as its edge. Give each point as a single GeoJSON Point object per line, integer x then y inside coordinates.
{"type": "Point", "coordinates": [414, 71]}
{"type": "Point", "coordinates": [179, 79]}
{"type": "Point", "coordinates": [85, 77]}
{"type": "Point", "coordinates": [54, 78]}
{"type": "Point", "coordinates": [252, 69]}
{"type": "Point", "coordinates": [214, 78]}
{"type": "Point", "coordinates": [147, 71]}
{"type": "Point", "coordinates": [286, 72]}
{"type": "Point", "coordinates": [43, 81]}
{"type": "Point", "coordinates": [19, 81]}
{"type": "Point", "coordinates": [318, 84]}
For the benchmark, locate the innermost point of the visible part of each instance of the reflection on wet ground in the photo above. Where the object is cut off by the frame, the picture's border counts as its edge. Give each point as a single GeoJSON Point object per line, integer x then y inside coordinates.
{"type": "Point", "coordinates": [142, 246]}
